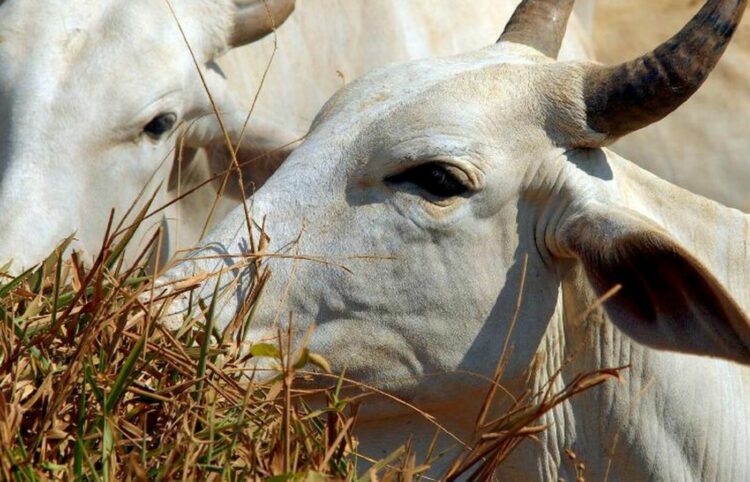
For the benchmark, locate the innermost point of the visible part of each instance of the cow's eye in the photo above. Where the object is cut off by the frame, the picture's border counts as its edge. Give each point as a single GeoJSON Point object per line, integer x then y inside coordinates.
{"type": "Point", "coordinates": [433, 177]}
{"type": "Point", "coordinates": [160, 125]}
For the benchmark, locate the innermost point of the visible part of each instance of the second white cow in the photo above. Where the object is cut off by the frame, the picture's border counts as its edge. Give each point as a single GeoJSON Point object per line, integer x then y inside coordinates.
{"type": "Point", "coordinates": [91, 95]}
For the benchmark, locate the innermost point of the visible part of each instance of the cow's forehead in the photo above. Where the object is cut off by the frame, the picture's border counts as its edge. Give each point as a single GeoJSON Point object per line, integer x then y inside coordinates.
{"type": "Point", "coordinates": [64, 60]}
{"type": "Point", "coordinates": [424, 94]}
{"type": "Point", "coordinates": [30, 26]}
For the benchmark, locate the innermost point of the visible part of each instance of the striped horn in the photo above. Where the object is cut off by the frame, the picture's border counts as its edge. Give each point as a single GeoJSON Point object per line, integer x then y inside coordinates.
{"type": "Point", "coordinates": [624, 98]}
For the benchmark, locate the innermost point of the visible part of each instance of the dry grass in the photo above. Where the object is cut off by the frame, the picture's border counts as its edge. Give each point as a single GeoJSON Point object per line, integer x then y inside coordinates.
{"type": "Point", "coordinates": [93, 387]}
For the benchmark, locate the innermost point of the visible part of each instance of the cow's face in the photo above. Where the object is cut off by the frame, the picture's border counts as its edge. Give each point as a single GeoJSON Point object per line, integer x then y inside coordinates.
{"type": "Point", "coordinates": [91, 95]}
{"type": "Point", "coordinates": [431, 171]}
{"type": "Point", "coordinates": [421, 180]}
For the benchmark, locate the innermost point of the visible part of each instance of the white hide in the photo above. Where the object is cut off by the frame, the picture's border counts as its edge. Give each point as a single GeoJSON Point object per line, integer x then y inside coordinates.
{"type": "Point", "coordinates": [432, 282]}
{"type": "Point", "coordinates": [78, 84]}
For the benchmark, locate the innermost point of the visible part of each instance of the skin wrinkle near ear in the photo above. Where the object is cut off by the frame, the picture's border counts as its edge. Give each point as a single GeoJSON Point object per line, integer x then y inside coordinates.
{"type": "Point", "coordinates": [549, 183]}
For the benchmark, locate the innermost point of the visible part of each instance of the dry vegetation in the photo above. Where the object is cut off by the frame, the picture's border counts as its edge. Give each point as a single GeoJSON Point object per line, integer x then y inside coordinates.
{"type": "Point", "coordinates": [93, 387]}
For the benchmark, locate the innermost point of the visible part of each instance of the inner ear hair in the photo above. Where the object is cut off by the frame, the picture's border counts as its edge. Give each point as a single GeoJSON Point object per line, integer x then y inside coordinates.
{"type": "Point", "coordinates": [668, 299]}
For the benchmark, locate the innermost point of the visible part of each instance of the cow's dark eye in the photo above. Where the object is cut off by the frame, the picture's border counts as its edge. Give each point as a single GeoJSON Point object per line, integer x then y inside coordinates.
{"type": "Point", "coordinates": [160, 125]}
{"type": "Point", "coordinates": [433, 177]}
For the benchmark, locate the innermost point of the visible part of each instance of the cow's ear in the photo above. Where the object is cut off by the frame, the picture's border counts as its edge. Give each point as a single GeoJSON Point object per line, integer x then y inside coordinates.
{"type": "Point", "coordinates": [256, 133]}
{"type": "Point", "coordinates": [257, 18]}
{"type": "Point", "coordinates": [668, 299]}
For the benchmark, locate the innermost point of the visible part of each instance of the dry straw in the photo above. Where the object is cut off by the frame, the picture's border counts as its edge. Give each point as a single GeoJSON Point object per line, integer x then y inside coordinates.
{"type": "Point", "coordinates": [93, 387]}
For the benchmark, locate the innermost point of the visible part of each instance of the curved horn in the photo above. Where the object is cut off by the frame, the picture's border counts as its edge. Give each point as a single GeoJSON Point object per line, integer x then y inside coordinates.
{"type": "Point", "coordinates": [627, 97]}
{"type": "Point", "coordinates": [539, 24]}
{"type": "Point", "coordinates": [257, 18]}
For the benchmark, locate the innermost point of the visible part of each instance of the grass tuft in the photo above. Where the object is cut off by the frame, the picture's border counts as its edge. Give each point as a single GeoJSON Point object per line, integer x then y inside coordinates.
{"type": "Point", "coordinates": [93, 387]}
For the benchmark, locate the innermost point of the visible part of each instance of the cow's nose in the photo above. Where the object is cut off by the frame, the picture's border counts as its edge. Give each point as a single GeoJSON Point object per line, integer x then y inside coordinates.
{"type": "Point", "coordinates": [208, 272]}
{"type": "Point", "coordinates": [226, 266]}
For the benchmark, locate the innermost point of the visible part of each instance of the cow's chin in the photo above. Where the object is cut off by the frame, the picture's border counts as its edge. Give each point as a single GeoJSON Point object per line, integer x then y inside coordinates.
{"type": "Point", "coordinates": [372, 358]}
{"type": "Point", "coordinates": [377, 360]}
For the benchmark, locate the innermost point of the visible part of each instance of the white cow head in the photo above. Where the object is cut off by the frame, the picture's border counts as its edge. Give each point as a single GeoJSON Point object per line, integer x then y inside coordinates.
{"type": "Point", "coordinates": [434, 181]}
{"type": "Point", "coordinates": [91, 93]}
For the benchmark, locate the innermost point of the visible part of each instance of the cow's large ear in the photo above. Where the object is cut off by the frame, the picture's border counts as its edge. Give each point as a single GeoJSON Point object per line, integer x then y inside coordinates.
{"type": "Point", "coordinates": [257, 18]}
{"type": "Point", "coordinates": [668, 299]}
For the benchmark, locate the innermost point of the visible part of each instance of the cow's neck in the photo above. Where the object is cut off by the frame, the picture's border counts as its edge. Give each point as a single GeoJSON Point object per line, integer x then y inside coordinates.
{"type": "Point", "coordinates": [674, 417]}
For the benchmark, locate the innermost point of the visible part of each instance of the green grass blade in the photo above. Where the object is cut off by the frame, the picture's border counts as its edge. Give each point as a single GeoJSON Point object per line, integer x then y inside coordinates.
{"type": "Point", "coordinates": [203, 358]}
{"type": "Point", "coordinates": [79, 447]}
{"type": "Point", "coordinates": [7, 288]}
{"type": "Point", "coordinates": [108, 445]}
{"type": "Point", "coordinates": [56, 294]}
{"type": "Point", "coordinates": [92, 383]}
{"type": "Point", "coordinates": [121, 382]}
{"type": "Point", "coordinates": [381, 464]}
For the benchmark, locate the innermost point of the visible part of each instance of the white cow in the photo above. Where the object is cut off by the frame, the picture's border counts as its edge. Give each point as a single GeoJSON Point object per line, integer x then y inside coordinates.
{"type": "Point", "coordinates": [91, 92]}
{"type": "Point", "coordinates": [434, 181]}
